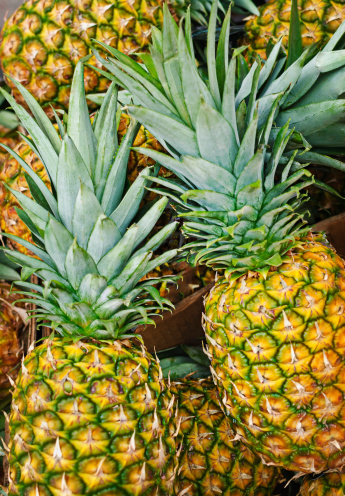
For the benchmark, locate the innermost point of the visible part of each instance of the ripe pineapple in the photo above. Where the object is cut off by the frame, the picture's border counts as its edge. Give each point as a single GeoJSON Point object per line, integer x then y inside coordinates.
{"type": "Point", "coordinates": [329, 484]}
{"type": "Point", "coordinates": [319, 21]}
{"type": "Point", "coordinates": [44, 39]}
{"type": "Point", "coordinates": [274, 322]}
{"type": "Point", "coordinates": [91, 412]}
{"type": "Point", "coordinates": [212, 462]}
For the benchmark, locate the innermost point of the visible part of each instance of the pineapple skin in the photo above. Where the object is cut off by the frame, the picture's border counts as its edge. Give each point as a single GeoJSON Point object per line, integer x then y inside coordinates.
{"type": "Point", "coordinates": [92, 418]}
{"type": "Point", "coordinates": [329, 484]}
{"type": "Point", "coordinates": [44, 39]}
{"type": "Point", "coordinates": [319, 20]}
{"type": "Point", "coordinates": [211, 462]}
{"type": "Point", "coordinates": [11, 351]}
{"type": "Point", "coordinates": [277, 348]}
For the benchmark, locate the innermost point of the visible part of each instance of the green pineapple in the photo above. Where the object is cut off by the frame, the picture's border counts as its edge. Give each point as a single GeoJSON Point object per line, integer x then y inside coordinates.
{"type": "Point", "coordinates": [274, 322]}
{"type": "Point", "coordinates": [91, 412]}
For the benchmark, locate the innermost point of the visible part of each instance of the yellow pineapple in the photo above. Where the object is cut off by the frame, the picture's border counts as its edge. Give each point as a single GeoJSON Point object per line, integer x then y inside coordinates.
{"type": "Point", "coordinates": [329, 484]}
{"type": "Point", "coordinates": [44, 39]}
{"type": "Point", "coordinates": [212, 462]}
{"type": "Point", "coordinates": [319, 20]}
{"type": "Point", "coordinates": [91, 412]}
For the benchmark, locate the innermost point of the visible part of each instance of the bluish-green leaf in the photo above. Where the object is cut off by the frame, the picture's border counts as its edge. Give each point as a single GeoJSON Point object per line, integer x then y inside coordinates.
{"type": "Point", "coordinates": [113, 262]}
{"type": "Point", "coordinates": [216, 139]}
{"type": "Point", "coordinates": [71, 172]}
{"type": "Point", "coordinates": [57, 241]}
{"type": "Point", "coordinates": [86, 212]}
{"type": "Point", "coordinates": [78, 263]}
{"type": "Point", "coordinates": [176, 134]}
{"type": "Point", "coordinates": [104, 237]}
{"type": "Point", "coordinates": [79, 125]}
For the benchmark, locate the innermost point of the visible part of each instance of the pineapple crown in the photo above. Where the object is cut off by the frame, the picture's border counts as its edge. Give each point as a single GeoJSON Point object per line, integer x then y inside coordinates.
{"type": "Point", "coordinates": [91, 248]}
{"type": "Point", "coordinates": [239, 181]}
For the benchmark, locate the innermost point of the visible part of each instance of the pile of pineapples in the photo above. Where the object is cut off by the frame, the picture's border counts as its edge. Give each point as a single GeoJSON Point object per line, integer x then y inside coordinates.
{"type": "Point", "coordinates": [101, 213]}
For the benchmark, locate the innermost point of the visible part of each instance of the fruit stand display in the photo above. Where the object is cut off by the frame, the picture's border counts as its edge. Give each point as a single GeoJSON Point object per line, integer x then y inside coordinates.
{"type": "Point", "coordinates": [172, 240]}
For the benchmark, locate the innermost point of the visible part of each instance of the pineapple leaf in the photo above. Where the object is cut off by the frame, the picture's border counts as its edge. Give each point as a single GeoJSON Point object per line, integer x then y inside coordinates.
{"type": "Point", "coordinates": [189, 78]}
{"type": "Point", "coordinates": [30, 205]}
{"type": "Point", "coordinates": [329, 189]}
{"type": "Point", "coordinates": [40, 115]}
{"type": "Point", "coordinates": [91, 287]}
{"type": "Point", "coordinates": [295, 36]}
{"type": "Point", "coordinates": [246, 150]}
{"type": "Point", "coordinates": [131, 273]}
{"type": "Point", "coordinates": [57, 241]}
{"type": "Point", "coordinates": [44, 147]}
{"type": "Point", "coordinates": [104, 236]}
{"type": "Point", "coordinates": [211, 55]}
{"type": "Point", "coordinates": [46, 194]}
{"type": "Point", "coordinates": [210, 200]}
{"type": "Point", "coordinates": [246, 86]}
{"type": "Point", "coordinates": [106, 135]}
{"type": "Point", "coordinates": [114, 261]}
{"type": "Point", "coordinates": [149, 220]}
{"type": "Point", "coordinates": [79, 126]}
{"type": "Point", "coordinates": [228, 103]}
{"type": "Point", "coordinates": [71, 172]}
{"type": "Point", "coordinates": [270, 63]}
{"type": "Point", "coordinates": [85, 214]}
{"type": "Point", "coordinates": [216, 139]}
{"type": "Point", "coordinates": [78, 263]}
{"type": "Point", "coordinates": [30, 246]}
{"type": "Point", "coordinates": [178, 135]}
{"type": "Point", "coordinates": [313, 117]}
{"type": "Point", "coordinates": [124, 213]}
{"type": "Point", "coordinates": [288, 78]}
{"type": "Point", "coordinates": [156, 240]}
{"type": "Point", "coordinates": [111, 196]}
{"type": "Point", "coordinates": [222, 58]}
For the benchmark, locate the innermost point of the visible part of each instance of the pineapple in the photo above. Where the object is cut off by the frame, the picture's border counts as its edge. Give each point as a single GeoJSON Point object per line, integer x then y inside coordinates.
{"type": "Point", "coordinates": [319, 21]}
{"type": "Point", "coordinates": [329, 484]}
{"type": "Point", "coordinates": [274, 321]}
{"type": "Point", "coordinates": [212, 462]}
{"type": "Point", "coordinates": [11, 327]}
{"type": "Point", "coordinates": [44, 39]}
{"type": "Point", "coordinates": [91, 413]}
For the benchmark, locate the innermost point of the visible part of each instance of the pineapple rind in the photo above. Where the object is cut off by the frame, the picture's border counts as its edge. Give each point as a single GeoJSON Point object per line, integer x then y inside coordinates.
{"type": "Point", "coordinates": [328, 484]}
{"type": "Point", "coordinates": [212, 461]}
{"type": "Point", "coordinates": [44, 39]}
{"type": "Point", "coordinates": [319, 20]}
{"type": "Point", "coordinates": [277, 352]}
{"type": "Point", "coordinates": [91, 418]}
